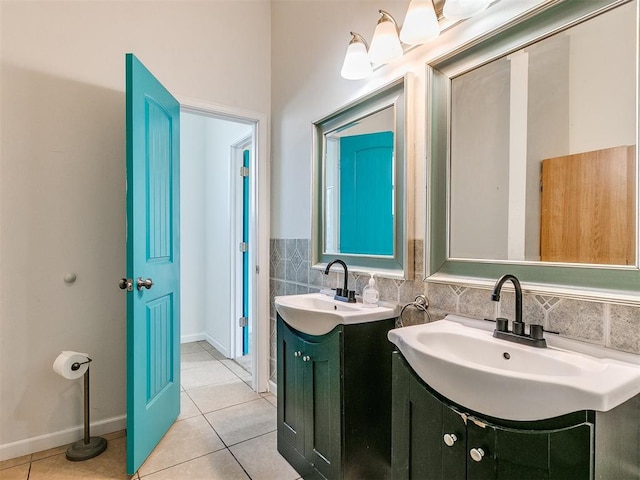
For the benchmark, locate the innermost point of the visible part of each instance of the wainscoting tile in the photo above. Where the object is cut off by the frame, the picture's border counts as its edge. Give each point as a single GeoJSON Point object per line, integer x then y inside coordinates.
{"type": "Point", "coordinates": [624, 333]}
{"type": "Point", "coordinates": [578, 319]}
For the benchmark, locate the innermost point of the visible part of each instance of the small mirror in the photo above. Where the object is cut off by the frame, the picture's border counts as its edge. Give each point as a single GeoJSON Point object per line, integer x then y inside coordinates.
{"type": "Point", "coordinates": [534, 162]}
{"type": "Point", "coordinates": [359, 183]}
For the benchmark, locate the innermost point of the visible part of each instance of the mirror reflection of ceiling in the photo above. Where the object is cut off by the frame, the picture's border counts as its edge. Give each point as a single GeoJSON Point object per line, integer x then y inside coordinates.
{"type": "Point", "coordinates": [571, 93]}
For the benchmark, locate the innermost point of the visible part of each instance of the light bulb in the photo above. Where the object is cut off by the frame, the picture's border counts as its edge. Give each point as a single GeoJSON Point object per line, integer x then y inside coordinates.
{"type": "Point", "coordinates": [420, 24]}
{"type": "Point", "coordinates": [385, 45]}
{"type": "Point", "coordinates": [356, 61]}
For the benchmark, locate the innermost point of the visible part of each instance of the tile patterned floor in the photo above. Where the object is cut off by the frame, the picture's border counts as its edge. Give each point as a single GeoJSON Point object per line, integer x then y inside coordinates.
{"type": "Point", "coordinates": [225, 431]}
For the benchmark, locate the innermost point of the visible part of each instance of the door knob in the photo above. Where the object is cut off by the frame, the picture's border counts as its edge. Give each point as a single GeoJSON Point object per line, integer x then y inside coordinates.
{"type": "Point", "coordinates": [476, 454]}
{"type": "Point", "coordinates": [142, 283]}
{"type": "Point", "coordinates": [125, 284]}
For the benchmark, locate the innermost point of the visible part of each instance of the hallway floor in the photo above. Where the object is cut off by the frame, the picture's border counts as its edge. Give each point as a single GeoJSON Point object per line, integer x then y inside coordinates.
{"type": "Point", "coordinates": [225, 431]}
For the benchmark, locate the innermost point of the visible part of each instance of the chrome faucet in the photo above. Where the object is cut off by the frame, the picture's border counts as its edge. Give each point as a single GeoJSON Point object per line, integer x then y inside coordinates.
{"type": "Point", "coordinates": [518, 335]}
{"type": "Point", "coordinates": [343, 294]}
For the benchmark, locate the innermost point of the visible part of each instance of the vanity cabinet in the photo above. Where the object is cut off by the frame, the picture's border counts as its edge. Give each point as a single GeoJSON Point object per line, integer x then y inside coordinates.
{"type": "Point", "coordinates": [435, 439]}
{"type": "Point", "coordinates": [334, 400]}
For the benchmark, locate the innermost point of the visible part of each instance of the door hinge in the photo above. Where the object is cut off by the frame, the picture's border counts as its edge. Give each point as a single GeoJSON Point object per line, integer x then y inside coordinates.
{"type": "Point", "coordinates": [244, 246]}
{"type": "Point", "coordinates": [244, 171]}
{"type": "Point", "coordinates": [243, 321]}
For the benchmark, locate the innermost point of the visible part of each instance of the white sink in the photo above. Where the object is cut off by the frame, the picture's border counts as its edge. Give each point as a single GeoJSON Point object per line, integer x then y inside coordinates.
{"type": "Point", "coordinates": [460, 359]}
{"type": "Point", "coordinates": [317, 313]}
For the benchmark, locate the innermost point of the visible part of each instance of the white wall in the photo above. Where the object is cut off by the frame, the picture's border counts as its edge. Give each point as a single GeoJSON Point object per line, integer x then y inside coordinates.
{"type": "Point", "coordinates": [600, 107]}
{"type": "Point", "coordinates": [220, 250]}
{"type": "Point", "coordinates": [193, 187]}
{"type": "Point", "coordinates": [62, 182]}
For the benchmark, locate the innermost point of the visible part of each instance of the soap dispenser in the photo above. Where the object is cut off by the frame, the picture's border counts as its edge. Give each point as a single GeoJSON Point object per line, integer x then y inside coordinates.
{"type": "Point", "coordinates": [370, 294]}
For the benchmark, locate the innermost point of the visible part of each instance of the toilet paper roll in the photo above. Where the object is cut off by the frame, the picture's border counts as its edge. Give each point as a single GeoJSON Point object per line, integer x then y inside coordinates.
{"type": "Point", "coordinates": [64, 362]}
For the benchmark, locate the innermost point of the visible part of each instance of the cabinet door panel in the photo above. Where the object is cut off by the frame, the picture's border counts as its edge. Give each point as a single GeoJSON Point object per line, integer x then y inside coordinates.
{"type": "Point", "coordinates": [522, 455]}
{"type": "Point", "coordinates": [481, 438]}
{"type": "Point", "coordinates": [571, 455]}
{"type": "Point", "coordinates": [290, 389]}
{"type": "Point", "coordinates": [454, 457]}
{"type": "Point", "coordinates": [322, 409]}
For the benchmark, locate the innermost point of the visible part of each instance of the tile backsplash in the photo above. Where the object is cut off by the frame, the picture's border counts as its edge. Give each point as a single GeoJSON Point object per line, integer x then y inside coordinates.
{"type": "Point", "coordinates": [608, 324]}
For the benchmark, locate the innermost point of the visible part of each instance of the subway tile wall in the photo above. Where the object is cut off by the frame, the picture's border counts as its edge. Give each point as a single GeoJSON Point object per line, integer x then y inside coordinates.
{"type": "Point", "coordinates": [614, 326]}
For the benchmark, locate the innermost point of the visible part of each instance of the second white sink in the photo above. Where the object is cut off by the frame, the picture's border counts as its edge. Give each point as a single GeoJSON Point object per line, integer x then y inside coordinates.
{"type": "Point", "coordinates": [317, 313]}
{"type": "Point", "coordinates": [511, 381]}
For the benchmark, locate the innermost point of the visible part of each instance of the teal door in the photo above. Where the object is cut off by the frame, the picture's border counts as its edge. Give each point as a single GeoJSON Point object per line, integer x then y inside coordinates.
{"type": "Point", "coordinates": [245, 254]}
{"type": "Point", "coordinates": [366, 194]}
{"type": "Point", "coordinates": [153, 263]}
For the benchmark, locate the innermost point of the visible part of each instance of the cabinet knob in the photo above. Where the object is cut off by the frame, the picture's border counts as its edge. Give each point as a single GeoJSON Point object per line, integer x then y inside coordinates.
{"type": "Point", "coordinates": [450, 439]}
{"type": "Point", "coordinates": [476, 454]}
{"type": "Point", "coordinates": [306, 358]}
{"type": "Point", "coordinates": [297, 354]}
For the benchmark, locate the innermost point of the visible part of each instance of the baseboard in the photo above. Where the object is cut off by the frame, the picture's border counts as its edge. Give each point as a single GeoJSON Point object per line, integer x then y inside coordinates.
{"type": "Point", "coordinates": [273, 387]}
{"type": "Point", "coordinates": [212, 341]}
{"type": "Point", "coordinates": [62, 437]}
{"type": "Point", "coordinates": [194, 337]}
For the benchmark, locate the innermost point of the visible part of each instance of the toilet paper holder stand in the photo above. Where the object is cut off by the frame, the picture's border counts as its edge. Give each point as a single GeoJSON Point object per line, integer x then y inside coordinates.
{"type": "Point", "coordinates": [89, 446]}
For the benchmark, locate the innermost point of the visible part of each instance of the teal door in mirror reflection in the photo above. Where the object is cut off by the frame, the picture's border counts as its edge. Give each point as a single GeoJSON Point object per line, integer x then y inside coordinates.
{"type": "Point", "coordinates": [366, 194]}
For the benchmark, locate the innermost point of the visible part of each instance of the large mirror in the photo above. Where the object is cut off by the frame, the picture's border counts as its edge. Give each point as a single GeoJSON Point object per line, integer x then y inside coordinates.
{"type": "Point", "coordinates": [533, 166]}
{"type": "Point", "coordinates": [360, 190]}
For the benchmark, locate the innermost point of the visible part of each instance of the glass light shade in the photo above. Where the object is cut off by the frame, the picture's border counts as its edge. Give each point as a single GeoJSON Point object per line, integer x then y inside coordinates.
{"type": "Point", "coordinates": [385, 45]}
{"type": "Point", "coordinates": [420, 24]}
{"type": "Point", "coordinates": [356, 61]}
{"type": "Point", "coordinates": [461, 9]}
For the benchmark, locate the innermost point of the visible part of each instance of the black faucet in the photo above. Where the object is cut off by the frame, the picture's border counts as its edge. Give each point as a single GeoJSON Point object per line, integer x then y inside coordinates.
{"type": "Point", "coordinates": [342, 294]}
{"type": "Point", "coordinates": [518, 334]}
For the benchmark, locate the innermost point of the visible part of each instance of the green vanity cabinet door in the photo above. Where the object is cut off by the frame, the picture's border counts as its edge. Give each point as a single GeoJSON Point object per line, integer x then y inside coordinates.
{"type": "Point", "coordinates": [322, 405]}
{"type": "Point", "coordinates": [563, 454]}
{"type": "Point", "coordinates": [290, 369]}
{"type": "Point", "coordinates": [309, 423]}
{"type": "Point", "coordinates": [419, 423]}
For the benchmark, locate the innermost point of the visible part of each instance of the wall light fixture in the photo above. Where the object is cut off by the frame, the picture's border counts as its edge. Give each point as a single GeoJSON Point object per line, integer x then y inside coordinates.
{"type": "Point", "coordinates": [356, 61]}
{"type": "Point", "coordinates": [420, 26]}
{"type": "Point", "coordinates": [385, 45]}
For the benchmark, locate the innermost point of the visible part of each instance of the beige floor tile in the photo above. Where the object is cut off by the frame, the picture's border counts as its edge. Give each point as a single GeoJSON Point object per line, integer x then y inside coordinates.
{"type": "Point", "coordinates": [12, 462]}
{"type": "Point", "coordinates": [260, 458]}
{"type": "Point", "coordinates": [210, 374]}
{"type": "Point", "coordinates": [188, 409]}
{"type": "Point", "coordinates": [215, 397]}
{"type": "Point", "coordinates": [195, 359]}
{"type": "Point", "coordinates": [242, 422]}
{"type": "Point", "coordinates": [237, 369]}
{"type": "Point", "coordinates": [110, 465]}
{"type": "Point", "coordinates": [191, 347]}
{"type": "Point", "coordinates": [212, 350]}
{"type": "Point", "coordinates": [216, 466]}
{"type": "Point", "coordinates": [185, 440]}
{"type": "Point", "coordinates": [19, 472]}
{"type": "Point", "coordinates": [271, 398]}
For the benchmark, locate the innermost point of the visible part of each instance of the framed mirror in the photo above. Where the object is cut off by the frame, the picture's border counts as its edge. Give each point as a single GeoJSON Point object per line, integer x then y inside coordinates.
{"type": "Point", "coordinates": [534, 167]}
{"type": "Point", "coordinates": [360, 190]}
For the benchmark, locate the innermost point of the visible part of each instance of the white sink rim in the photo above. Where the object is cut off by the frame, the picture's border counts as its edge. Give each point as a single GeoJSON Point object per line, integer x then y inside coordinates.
{"type": "Point", "coordinates": [304, 312]}
{"type": "Point", "coordinates": [610, 378]}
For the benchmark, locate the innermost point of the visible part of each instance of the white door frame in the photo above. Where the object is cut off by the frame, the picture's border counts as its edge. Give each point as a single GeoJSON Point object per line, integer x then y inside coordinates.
{"type": "Point", "coordinates": [259, 218]}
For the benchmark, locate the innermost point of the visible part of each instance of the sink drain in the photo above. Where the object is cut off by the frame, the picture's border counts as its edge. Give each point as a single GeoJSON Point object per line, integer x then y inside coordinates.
{"type": "Point", "coordinates": [506, 355]}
